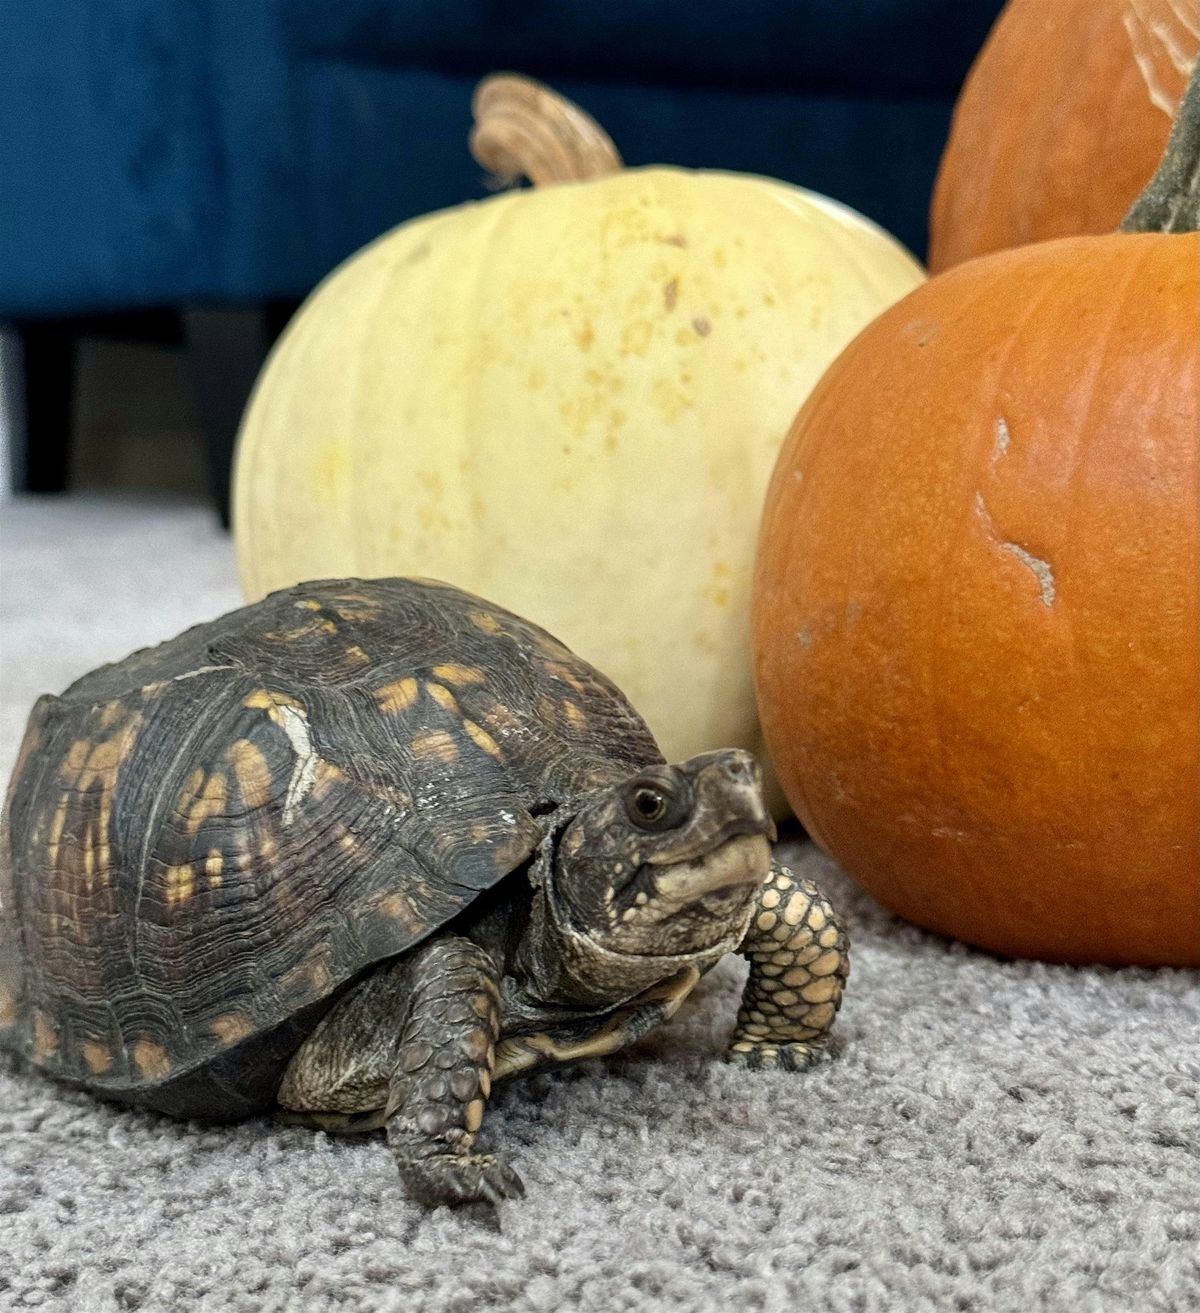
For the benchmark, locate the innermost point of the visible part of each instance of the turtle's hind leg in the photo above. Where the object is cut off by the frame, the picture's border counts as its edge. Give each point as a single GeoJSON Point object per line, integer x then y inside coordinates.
{"type": "Point", "coordinates": [411, 1049]}
{"type": "Point", "coordinates": [799, 961]}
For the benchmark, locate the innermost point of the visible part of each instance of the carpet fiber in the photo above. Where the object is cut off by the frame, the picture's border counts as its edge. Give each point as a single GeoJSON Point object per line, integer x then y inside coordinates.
{"type": "Point", "coordinates": [996, 1136]}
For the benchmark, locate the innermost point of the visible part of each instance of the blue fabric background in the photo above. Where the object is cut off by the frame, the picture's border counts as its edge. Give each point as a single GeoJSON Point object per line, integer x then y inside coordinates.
{"type": "Point", "coordinates": [155, 152]}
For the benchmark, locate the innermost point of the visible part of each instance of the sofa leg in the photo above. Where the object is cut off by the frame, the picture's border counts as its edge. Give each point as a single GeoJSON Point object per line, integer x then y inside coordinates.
{"type": "Point", "coordinates": [42, 463]}
{"type": "Point", "coordinates": [226, 347]}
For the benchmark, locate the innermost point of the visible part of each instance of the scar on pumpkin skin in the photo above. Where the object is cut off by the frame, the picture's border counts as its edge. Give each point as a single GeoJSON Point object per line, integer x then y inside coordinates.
{"type": "Point", "coordinates": [1043, 571]}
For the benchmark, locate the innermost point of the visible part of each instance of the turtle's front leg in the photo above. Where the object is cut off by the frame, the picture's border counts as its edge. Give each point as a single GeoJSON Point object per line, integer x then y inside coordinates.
{"type": "Point", "coordinates": [799, 962]}
{"type": "Point", "coordinates": [411, 1048]}
{"type": "Point", "coordinates": [444, 1075]}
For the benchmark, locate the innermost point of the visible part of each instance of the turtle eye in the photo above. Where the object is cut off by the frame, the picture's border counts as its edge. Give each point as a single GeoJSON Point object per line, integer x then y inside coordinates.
{"type": "Point", "coordinates": [649, 806]}
{"type": "Point", "coordinates": [655, 805]}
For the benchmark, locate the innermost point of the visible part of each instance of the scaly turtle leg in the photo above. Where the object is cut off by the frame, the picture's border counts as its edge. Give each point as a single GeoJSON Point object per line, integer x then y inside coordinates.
{"type": "Point", "coordinates": [799, 962]}
{"type": "Point", "coordinates": [412, 1049]}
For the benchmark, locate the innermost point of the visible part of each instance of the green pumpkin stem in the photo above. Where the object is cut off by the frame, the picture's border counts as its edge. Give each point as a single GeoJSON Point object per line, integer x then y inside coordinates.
{"type": "Point", "coordinates": [1171, 201]}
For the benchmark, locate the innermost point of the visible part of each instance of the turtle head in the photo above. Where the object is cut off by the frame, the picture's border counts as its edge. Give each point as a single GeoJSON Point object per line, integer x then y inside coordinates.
{"type": "Point", "coordinates": [667, 863]}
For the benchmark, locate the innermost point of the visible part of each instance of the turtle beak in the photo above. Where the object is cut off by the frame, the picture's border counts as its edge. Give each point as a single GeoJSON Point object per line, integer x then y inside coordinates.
{"type": "Point", "coordinates": [729, 784]}
{"type": "Point", "coordinates": [741, 860]}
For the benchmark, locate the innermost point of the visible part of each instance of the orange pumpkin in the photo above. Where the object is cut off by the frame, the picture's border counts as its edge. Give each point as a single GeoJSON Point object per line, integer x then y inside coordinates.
{"type": "Point", "coordinates": [976, 620]}
{"type": "Point", "coordinates": [1061, 122]}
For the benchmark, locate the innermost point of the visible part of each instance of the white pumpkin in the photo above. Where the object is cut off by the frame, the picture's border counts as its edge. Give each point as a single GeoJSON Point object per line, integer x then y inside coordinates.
{"type": "Point", "coordinates": [568, 400]}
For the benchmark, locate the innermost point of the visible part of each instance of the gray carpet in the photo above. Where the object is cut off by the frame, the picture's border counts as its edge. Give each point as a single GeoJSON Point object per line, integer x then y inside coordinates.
{"type": "Point", "coordinates": [996, 1136]}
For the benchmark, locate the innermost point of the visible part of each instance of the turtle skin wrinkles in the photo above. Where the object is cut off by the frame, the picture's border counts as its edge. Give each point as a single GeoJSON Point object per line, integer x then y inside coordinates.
{"type": "Point", "coordinates": [205, 843]}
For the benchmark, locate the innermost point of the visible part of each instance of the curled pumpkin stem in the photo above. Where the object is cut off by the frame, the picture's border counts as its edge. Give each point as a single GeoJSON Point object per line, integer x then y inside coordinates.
{"type": "Point", "coordinates": [523, 129]}
{"type": "Point", "coordinates": [1171, 201]}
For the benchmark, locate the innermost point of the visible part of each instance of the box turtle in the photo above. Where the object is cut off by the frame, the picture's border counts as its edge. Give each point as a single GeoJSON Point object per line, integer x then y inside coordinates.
{"type": "Point", "coordinates": [358, 851]}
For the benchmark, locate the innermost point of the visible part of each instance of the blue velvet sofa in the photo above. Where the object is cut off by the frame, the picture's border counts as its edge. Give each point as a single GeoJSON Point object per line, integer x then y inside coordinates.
{"type": "Point", "coordinates": [201, 160]}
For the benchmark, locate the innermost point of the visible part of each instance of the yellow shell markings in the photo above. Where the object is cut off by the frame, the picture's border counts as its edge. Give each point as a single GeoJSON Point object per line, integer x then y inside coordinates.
{"type": "Point", "coordinates": [8, 1005]}
{"type": "Point", "coordinates": [356, 606]}
{"type": "Point", "coordinates": [443, 697]}
{"type": "Point", "coordinates": [288, 714]}
{"type": "Point", "coordinates": [214, 868]}
{"type": "Point", "coordinates": [232, 1027]}
{"type": "Point", "coordinates": [437, 745]}
{"type": "Point", "coordinates": [205, 796]}
{"type": "Point", "coordinates": [92, 764]}
{"type": "Point", "coordinates": [397, 696]}
{"type": "Point", "coordinates": [97, 1055]}
{"type": "Point", "coordinates": [460, 675]}
{"type": "Point", "coordinates": [483, 739]}
{"type": "Point", "coordinates": [179, 882]}
{"type": "Point", "coordinates": [561, 671]}
{"type": "Point", "coordinates": [399, 907]}
{"type": "Point", "coordinates": [300, 633]}
{"type": "Point", "coordinates": [151, 1059]}
{"type": "Point", "coordinates": [251, 771]}
{"type": "Point", "coordinates": [57, 826]}
{"type": "Point", "coordinates": [325, 777]}
{"type": "Point", "coordinates": [486, 624]}
{"type": "Point", "coordinates": [45, 1038]}
{"type": "Point", "coordinates": [574, 716]}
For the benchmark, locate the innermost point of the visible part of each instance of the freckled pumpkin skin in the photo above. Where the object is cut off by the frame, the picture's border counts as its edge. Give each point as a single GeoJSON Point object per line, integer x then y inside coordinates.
{"type": "Point", "coordinates": [976, 604]}
{"type": "Point", "coordinates": [1061, 122]}
{"type": "Point", "coordinates": [569, 400]}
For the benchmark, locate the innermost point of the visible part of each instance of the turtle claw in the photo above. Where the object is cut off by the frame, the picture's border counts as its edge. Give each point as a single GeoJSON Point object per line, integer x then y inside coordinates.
{"type": "Point", "coordinates": [456, 1179]}
{"type": "Point", "coordinates": [764, 1055]}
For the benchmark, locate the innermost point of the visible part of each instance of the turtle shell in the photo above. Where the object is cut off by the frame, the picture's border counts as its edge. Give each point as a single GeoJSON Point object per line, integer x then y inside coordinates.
{"type": "Point", "coordinates": [207, 842]}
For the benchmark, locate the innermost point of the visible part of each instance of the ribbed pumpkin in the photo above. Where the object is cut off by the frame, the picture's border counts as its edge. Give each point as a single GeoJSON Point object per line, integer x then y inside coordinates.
{"type": "Point", "coordinates": [1061, 122]}
{"type": "Point", "coordinates": [568, 400]}
{"type": "Point", "coordinates": [976, 615]}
